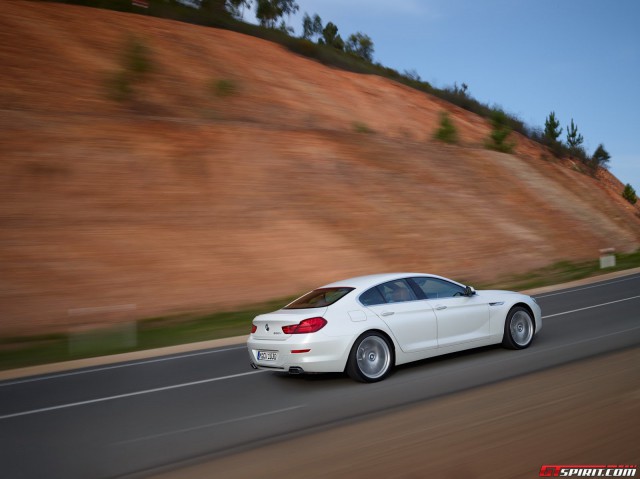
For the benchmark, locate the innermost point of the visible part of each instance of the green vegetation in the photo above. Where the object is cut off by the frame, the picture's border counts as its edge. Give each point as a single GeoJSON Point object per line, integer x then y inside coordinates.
{"type": "Point", "coordinates": [136, 64]}
{"type": "Point", "coordinates": [573, 148]}
{"type": "Point", "coordinates": [500, 131]}
{"type": "Point", "coordinates": [324, 44]}
{"type": "Point", "coordinates": [151, 333]}
{"type": "Point", "coordinates": [328, 48]}
{"type": "Point", "coordinates": [552, 132]}
{"type": "Point", "coordinates": [224, 87]}
{"type": "Point", "coordinates": [331, 38]}
{"type": "Point", "coordinates": [360, 45]}
{"type": "Point", "coordinates": [629, 194]}
{"type": "Point", "coordinates": [169, 331]}
{"type": "Point", "coordinates": [574, 142]}
{"type": "Point", "coordinates": [599, 159]}
{"type": "Point", "coordinates": [269, 11]}
{"type": "Point", "coordinates": [360, 127]}
{"type": "Point", "coordinates": [446, 131]}
{"type": "Point", "coordinates": [564, 271]}
{"type": "Point", "coordinates": [311, 27]}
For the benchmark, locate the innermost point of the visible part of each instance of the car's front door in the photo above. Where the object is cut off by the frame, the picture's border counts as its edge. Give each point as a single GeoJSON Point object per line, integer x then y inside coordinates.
{"type": "Point", "coordinates": [460, 318]}
{"type": "Point", "coordinates": [412, 321]}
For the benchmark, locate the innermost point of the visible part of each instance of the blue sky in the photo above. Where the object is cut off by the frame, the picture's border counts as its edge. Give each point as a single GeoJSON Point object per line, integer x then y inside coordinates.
{"type": "Point", "coordinates": [579, 58]}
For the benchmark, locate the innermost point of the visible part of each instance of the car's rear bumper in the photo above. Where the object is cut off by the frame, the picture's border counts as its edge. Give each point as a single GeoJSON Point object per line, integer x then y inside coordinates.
{"type": "Point", "coordinates": [325, 354]}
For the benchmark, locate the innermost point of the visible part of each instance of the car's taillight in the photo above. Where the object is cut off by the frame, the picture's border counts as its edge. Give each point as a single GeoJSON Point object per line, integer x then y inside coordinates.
{"type": "Point", "coordinates": [305, 326]}
{"type": "Point", "coordinates": [254, 328]}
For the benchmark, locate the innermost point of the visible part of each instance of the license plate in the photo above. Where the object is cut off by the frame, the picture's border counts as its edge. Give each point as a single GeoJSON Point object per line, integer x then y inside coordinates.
{"type": "Point", "coordinates": [267, 355]}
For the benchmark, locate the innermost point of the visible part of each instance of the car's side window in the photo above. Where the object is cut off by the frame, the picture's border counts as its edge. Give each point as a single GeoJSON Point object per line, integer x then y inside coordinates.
{"type": "Point", "coordinates": [397, 291]}
{"type": "Point", "coordinates": [435, 288]}
{"type": "Point", "coordinates": [372, 297]}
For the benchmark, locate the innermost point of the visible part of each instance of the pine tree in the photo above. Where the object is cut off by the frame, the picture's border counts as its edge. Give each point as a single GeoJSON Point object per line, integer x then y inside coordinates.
{"type": "Point", "coordinates": [574, 139]}
{"type": "Point", "coordinates": [552, 130]}
{"type": "Point", "coordinates": [600, 158]}
{"type": "Point", "coordinates": [629, 194]}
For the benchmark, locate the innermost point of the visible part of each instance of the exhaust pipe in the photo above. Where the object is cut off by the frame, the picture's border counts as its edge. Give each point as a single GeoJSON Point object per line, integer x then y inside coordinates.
{"type": "Point", "coordinates": [253, 366]}
{"type": "Point", "coordinates": [295, 370]}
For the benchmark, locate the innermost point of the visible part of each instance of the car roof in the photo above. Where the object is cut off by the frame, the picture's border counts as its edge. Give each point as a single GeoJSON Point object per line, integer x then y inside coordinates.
{"type": "Point", "coordinates": [365, 282]}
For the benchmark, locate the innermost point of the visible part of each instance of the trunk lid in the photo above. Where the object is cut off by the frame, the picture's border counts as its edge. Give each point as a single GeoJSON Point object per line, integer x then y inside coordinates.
{"type": "Point", "coordinates": [269, 326]}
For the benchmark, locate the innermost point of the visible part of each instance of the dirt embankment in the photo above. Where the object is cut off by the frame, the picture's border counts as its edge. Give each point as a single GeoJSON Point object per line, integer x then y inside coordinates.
{"type": "Point", "coordinates": [195, 194]}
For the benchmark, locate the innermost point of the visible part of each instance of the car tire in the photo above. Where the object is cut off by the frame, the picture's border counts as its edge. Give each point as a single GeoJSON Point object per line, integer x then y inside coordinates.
{"type": "Point", "coordinates": [371, 358]}
{"type": "Point", "coordinates": [519, 328]}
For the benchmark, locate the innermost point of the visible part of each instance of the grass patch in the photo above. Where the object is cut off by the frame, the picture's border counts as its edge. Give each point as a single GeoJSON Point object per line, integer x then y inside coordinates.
{"type": "Point", "coordinates": [563, 272]}
{"type": "Point", "coordinates": [183, 329]}
{"type": "Point", "coordinates": [151, 333]}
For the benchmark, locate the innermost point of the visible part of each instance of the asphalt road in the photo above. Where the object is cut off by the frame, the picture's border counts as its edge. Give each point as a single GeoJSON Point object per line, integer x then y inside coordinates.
{"type": "Point", "coordinates": [129, 418]}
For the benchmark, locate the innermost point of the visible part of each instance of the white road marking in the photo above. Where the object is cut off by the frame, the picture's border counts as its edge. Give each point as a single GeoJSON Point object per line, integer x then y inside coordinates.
{"type": "Point", "coordinates": [115, 366]}
{"type": "Point", "coordinates": [598, 285]}
{"type": "Point", "coordinates": [591, 307]}
{"type": "Point", "coordinates": [126, 395]}
{"type": "Point", "coordinates": [204, 426]}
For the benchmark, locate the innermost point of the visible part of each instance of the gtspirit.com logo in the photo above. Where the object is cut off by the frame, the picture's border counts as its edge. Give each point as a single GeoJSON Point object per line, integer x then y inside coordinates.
{"type": "Point", "coordinates": [588, 471]}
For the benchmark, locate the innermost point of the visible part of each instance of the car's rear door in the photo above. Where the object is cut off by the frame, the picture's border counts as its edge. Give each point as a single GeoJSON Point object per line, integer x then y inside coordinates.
{"type": "Point", "coordinates": [411, 320]}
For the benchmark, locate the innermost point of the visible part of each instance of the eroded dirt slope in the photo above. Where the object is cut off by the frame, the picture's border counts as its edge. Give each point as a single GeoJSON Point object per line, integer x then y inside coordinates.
{"type": "Point", "coordinates": [181, 199]}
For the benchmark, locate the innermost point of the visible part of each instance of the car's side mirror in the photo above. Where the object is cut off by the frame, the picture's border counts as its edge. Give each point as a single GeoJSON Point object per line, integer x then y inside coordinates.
{"type": "Point", "coordinates": [469, 291]}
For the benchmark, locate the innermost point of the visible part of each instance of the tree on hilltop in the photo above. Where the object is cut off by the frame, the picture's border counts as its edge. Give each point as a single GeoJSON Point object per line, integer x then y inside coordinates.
{"type": "Point", "coordinates": [552, 130]}
{"type": "Point", "coordinates": [269, 11]}
{"type": "Point", "coordinates": [600, 158]}
{"type": "Point", "coordinates": [237, 7]}
{"type": "Point", "coordinates": [330, 36]}
{"type": "Point", "coordinates": [311, 27]}
{"type": "Point", "coordinates": [217, 7]}
{"type": "Point", "coordinates": [574, 139]}
{"type": "Point", "coordinates": [360, 45]}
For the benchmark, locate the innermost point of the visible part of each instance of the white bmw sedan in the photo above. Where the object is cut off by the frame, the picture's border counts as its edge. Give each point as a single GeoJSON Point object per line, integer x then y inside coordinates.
{"type": "Point", "coordinates": [366, 325]}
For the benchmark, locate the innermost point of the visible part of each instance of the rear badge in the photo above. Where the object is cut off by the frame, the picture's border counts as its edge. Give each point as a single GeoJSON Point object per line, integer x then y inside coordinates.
{"type": "Point", "coordinates": [266, 326]}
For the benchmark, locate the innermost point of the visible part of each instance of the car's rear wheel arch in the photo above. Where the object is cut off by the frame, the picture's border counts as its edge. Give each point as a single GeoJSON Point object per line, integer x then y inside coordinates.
{"type": "Point", "coordinates": [392, 345]}
{"type": "Point", "coordinates": [350, 366]}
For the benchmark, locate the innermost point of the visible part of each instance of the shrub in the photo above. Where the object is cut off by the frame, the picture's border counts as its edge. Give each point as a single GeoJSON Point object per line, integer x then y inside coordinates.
{"type": "Point", "coordinates": [224, 88]}
{"type": "Point", "coordinates": [137, 58]}
{"type": "Point", "coordinates": [136, 64]}
{"type": "Point", "coordinates": [446, 131]}
{"type": "Point", "coordinates": [360, 127]}
{"type": "Point", "coordinates": [629, 194]}
{"type": "Point", "coordinates": [119, 86]}
{"type": "Point", "coordinates": [499, 133]}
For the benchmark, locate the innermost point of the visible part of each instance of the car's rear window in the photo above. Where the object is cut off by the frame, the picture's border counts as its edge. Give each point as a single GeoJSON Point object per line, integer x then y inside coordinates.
{"type": "Point", "coordinates": [319, 298]}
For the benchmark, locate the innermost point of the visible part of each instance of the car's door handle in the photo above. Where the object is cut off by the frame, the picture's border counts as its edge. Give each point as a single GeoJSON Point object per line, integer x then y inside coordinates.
{"type": "Point", "coordinates": [388, 313]}
{"type": "Point", "coordinates": [440, 307]}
